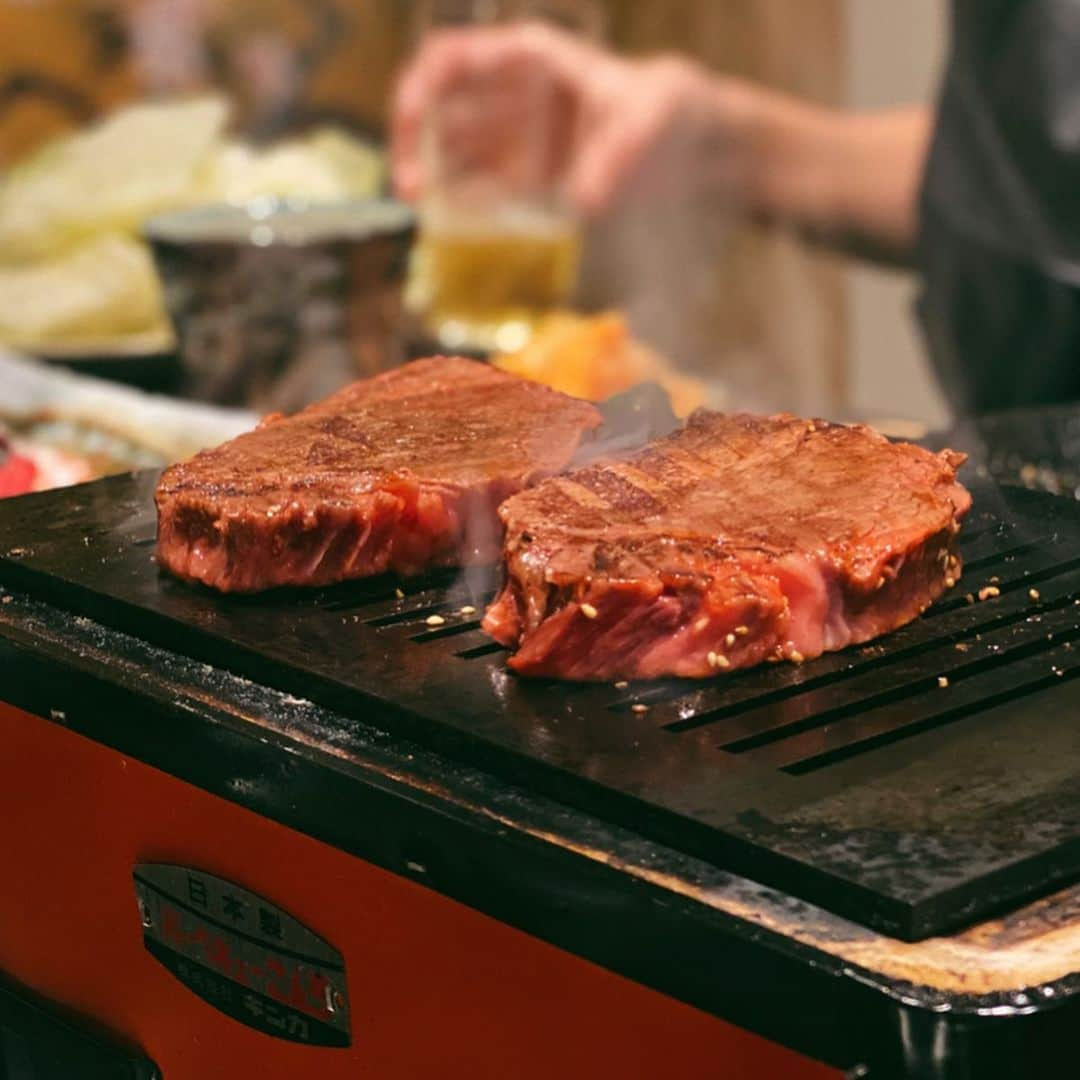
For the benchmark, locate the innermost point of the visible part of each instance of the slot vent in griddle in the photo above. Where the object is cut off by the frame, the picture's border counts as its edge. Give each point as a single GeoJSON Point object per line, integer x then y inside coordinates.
{"type": "Point", "coordinates": [1003, 634]}
{"type": "Point", "coordinates": [728, 769]}
{"type": "Point", "coordinates": [848, 703]}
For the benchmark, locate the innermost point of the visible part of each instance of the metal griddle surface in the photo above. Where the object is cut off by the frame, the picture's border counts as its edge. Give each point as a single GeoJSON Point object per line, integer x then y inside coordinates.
{"type": "Point", "coordinates": [855, 781]}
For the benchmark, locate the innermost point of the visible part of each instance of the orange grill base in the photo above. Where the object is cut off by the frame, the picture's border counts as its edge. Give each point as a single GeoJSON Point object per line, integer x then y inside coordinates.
{"type": "Point", "coordinates": [437, 989]}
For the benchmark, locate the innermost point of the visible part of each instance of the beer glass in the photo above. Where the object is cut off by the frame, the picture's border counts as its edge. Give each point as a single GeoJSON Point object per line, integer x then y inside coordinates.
{"type": "Point", "coordinates": [499, 245]}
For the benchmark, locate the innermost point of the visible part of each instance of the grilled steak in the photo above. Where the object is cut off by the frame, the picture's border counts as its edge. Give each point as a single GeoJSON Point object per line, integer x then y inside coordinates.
{"type": "Point", "coordinates": [401, 472]}
{"type": "Point", "coordinates": [736, 540]}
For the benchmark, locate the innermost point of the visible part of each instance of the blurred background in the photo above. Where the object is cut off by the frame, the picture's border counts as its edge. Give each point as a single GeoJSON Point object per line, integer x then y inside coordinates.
{"type": "Point", "coordinates": [289, 100]}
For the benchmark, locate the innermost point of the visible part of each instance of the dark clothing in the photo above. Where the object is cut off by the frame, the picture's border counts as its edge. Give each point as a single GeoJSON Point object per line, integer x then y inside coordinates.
{"type": "Point", "coordinates": [1000, 235]}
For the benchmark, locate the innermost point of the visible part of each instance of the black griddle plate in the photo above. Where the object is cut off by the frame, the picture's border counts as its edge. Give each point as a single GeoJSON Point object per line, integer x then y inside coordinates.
{"type": "Point", "coordinates": [856, 781]}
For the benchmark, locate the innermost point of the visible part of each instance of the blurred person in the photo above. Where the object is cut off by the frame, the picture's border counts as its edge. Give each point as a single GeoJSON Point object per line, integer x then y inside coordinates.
{"type": "Point", "coordinates": [977, 192]}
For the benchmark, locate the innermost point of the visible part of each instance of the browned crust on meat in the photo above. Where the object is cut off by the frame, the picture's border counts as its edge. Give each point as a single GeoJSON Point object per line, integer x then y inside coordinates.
{"type": "Point", "coordinates": [739, 539]}
{"type": "Point", "coordinates": [403, 472]}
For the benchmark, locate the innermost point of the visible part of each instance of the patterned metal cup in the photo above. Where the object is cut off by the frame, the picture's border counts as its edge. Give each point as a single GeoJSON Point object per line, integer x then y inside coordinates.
{"type": "Point", "coordinates": [276, 304]}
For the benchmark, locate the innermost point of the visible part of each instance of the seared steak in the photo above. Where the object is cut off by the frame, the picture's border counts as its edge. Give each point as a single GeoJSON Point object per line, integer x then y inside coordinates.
{"type": "Point", "coordinates": [401, 472]}
{"type": "Point", "coordinates": [736, 540]}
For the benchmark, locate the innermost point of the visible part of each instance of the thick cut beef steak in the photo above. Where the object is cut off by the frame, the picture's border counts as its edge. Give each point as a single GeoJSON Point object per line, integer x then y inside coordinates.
{"type": "Point", "coordinates": [736, 540]}
{"type": "Point", "coordinates": [401, 472]}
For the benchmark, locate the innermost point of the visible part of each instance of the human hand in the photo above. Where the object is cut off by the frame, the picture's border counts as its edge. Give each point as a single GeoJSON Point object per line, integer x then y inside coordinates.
{"type": "Point", "coordinates": [530, 105]}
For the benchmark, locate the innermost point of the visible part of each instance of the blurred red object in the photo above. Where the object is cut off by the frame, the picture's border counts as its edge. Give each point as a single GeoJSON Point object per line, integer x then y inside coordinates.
{"type": "Point", "coordinates": [17, 474]}
{"type": "Point", "coordinates": [28, 466]}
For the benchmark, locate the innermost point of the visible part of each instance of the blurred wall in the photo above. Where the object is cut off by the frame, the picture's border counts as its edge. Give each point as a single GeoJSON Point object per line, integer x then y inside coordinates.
{"type": "Point", "coordinates": [285, 63]}
{"type": "Point", "coordinates": [894, 56]}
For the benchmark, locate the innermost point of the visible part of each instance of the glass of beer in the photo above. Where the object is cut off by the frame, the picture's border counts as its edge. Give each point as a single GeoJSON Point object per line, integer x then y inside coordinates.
{"type": "Point", "coordinates": [499, 247]}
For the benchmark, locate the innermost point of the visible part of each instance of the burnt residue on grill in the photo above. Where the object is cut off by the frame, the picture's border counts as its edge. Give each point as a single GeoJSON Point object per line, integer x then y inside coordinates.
{"type": "Point", "coordinates": [1037, 448]}
{"type": "Point", "coordinates": [913, 785]}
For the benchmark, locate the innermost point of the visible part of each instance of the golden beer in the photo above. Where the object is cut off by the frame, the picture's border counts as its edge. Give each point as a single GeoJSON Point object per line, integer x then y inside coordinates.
{"type": "Point", "coordinates": [487, 280]}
